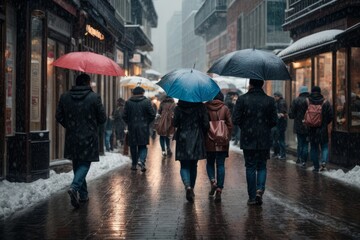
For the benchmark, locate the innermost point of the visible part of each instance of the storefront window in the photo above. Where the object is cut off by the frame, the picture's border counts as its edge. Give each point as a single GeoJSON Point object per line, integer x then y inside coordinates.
{"type": "Point", "coordinates": [35, 72]}
{"type": "Point", "coordinates": [341, 92]}
{"type": "Point", "coordinates": [323, 74]}
{"type": "Point", "coordinates": [355, 89]}
{"type": "Point", "coordinates": [10, 71]}
{"type": "Point", "coordinates": [301, 72]}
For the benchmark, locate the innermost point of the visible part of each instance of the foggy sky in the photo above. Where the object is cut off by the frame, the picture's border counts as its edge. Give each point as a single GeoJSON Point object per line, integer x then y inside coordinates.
{"type": "Point", "coordinates": [164, 9]}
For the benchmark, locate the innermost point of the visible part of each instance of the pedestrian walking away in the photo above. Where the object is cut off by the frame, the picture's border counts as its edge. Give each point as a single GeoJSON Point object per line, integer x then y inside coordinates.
{"type": "Point", "coordinates": [256, 114]}
{"type": "Point", "coordinates": [165, 127]}
{"type": "Point", "coordinates": [318, 136]}
{"type": "Point", "coordinates": [138, 114]}
{"type": "Point", "coordinates": [279, 142]}
{"type": "Point", "coordinates": [297, 111]}
{"type": "Point", "coordinates": [192, 123]}
{"type": "Point", "coordinates": [217, 153]}
{"type": "Point", "coordinates": [80, 112]}
{"type": "Point", "coordinates": [108, 131]}
{"type": "Point", "coordinates": [119, 123]}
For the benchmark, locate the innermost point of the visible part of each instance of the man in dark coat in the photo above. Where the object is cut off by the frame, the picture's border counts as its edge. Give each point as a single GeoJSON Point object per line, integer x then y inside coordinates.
{"type": "Point", "coordinates": [80, 111]}
{"type": "Point", "coordinates": [138, 114]}
{"type": "Point", "coordinates": [319, 136]}
{"type": "Point", "coordinates": [255, 113]}
{"type": "Point", "coordinates": [297, 111]}
{"type": "Point", "coordinates": [279, 139]}
{"type": "Point", "coordinates": [191, 121]}
{"type": "Point", "coordinates": [119, 123]}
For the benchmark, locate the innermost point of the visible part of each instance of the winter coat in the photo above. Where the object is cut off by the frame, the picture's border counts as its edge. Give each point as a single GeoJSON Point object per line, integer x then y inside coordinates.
{"type": "Point", "coordinates": [166, 108]}
{"type": "Point", "coordinates": [281, 107]}
{"type": "Point", "coordinates": [80, 111]}
{"type": "Point", "coordinates": [320, 134]}
{"type": "Point", "coordinates": [297, 111]}
{"type": "Point", "coordinates": [138, 114]}
{"type": "Point", "coordinates": [168, 104]}
{"type": "Point", "coordinates": [119, 123]}
{"type": "Point", "coordinates": [217, 110]}
{"type": "Point", "coordinates": [192, 123]}
{"type": "Point", "coordinates": [256, 114]}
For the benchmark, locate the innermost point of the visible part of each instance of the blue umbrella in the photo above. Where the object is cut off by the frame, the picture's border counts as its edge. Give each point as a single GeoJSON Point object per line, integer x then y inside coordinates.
{"type": "Point", "coordinates": [189, 85]}
{"type": "Point", "coordinates": [252, 64]}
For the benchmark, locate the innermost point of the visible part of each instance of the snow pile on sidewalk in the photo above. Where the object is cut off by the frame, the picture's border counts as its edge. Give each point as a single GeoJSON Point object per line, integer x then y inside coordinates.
{"type": "Point", "coordinates": [16, 196]}
{"type": "Point", "coordinates": [352, 177]}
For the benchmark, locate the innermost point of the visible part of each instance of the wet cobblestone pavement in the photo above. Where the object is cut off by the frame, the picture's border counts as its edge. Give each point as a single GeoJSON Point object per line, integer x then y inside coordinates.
{"type": "Point", "coordinates": [298, 204]}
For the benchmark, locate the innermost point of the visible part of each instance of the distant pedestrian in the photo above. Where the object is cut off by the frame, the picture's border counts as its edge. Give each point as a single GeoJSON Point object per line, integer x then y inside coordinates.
{"type": "Point", "coordinates": [318, 136]}
{"type": "Point", "coordinates": [109, 128]}
{"type": "Point", "coordinates": [281, 125]}
{"type": "Point", "coordinates": [192, 123]}
{"type": "Point", "coordinates": [256, 114]}
{"type": "Point", "coordinates": [166, 111]}
{"type": "Point", "coordinates": [80, 112]}
{"type": "Point", "coordinates": [216, 154]}
{"type": "Point", "coordinates": [138, 114]}
{"type": "Point", "coordinates": [119, 123]}
{"type": "Point", "coordinates": [297, 111]}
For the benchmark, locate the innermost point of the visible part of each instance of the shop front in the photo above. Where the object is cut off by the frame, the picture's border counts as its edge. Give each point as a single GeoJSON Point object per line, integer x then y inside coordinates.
{"type": "Point", "coordinates": [329, 60]}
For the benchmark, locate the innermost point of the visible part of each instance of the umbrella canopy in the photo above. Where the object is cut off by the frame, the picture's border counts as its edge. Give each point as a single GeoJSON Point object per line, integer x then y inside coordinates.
{"type": "Point", "coordinates": [252, 64]}
{"type": "Point", "coordinates": [189, 85]}
{"type": "Point", "coordinates": [134, 81]}
{"type": "Point", "coordinates": [89, 62]}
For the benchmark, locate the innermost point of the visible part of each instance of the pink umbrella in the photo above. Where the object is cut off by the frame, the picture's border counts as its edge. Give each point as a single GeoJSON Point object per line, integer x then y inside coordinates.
{"type": "Point", "coordinates": [89, 62]}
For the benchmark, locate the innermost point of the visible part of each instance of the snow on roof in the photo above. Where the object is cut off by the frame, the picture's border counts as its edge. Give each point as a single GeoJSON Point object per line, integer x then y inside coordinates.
{"type": "Point", "coordinates": [311, 41]}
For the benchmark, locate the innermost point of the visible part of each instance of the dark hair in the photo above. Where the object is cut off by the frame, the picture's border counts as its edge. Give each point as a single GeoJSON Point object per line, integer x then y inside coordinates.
{"type": "Point", "coordinates": [316, 89]}
{"type": "Point", "coordinates": [219, 96]}
{"type": "Point", "coordinates": [256, 83]}
{"type": "Point", "coordinates": [138, 90]}
{"type": "Point", "coordinates": [83, 80]}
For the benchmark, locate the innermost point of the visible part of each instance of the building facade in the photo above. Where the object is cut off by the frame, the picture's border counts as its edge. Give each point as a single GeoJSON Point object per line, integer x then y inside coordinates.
{"type": "Point", "coordinates": [325, 52]}
{"type": "Point", "coordinates": [34, 34]}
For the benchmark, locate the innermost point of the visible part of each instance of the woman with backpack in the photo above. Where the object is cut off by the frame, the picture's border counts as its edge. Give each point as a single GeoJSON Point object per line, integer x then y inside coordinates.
{"type": "Point", "coordinates": [318, 136]}
{"type": "Point", "coordinates": [217, 148]}
{"type": "Point", "coordinates": [165, 127]}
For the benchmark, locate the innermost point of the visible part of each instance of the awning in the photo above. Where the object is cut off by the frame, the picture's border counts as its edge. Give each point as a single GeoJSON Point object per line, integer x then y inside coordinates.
{"type": "Point", "coordinates": [310, 43]}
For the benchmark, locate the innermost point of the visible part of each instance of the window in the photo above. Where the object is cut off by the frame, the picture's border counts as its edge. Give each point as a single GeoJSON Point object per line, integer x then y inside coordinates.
{"type": "Point", "coordinates": [341, 91]}
{"type": "Point", "coordinates": [323, 74]}
{"type": "Point", "coordinates": [355, 90]}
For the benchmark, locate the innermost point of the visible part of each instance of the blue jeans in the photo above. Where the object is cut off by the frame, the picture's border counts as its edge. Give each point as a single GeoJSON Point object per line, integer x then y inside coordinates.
{"type": "Point", "coordinates": [255, 163]}
{"type": "Point", "coordinates": [138, 154]}
{"type": "Point", "coordinates": [107, 139]}
{"type": "Point", "coordinates": [80, 170]}
{"type": "Point", "coordinates": [302, 147]}
{"type": "Point", "coordinates": [219, 159]}
{"type": "Point", "coordinates": [314, 153]}
{"type": "Point", "coordinates": [164, 142]}
{"type": "Point", "coordinates": [188, 172]}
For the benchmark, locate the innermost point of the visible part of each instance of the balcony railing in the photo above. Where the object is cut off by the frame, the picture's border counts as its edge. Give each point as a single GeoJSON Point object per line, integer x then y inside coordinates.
{"type": "Point", "coordinates": [209, 9]}
{"type": "Point", "coordinates": [300, 8]}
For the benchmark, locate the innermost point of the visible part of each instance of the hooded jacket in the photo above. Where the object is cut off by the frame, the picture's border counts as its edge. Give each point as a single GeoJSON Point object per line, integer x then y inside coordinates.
{"type": "Point", "coordinates": [80, 112]}
{"type": "Point", "coordinates": [217, 110]}
{"type": "Point", "coordinates": [297, 111]}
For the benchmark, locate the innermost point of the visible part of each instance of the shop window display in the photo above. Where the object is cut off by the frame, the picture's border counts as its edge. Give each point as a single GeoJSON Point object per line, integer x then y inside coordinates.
{"type": "Point", "coordinates": [355, 90]}
{"type": "Point", "coordinates": [341, 91]}
{"type": "Point", "coordinates": [323, 74]}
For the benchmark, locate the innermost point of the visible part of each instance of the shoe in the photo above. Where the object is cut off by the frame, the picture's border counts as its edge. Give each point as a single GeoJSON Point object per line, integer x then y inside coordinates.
{"type": "Point", "coordinates": [73, 198]}
{"type": "Point", "coordinates": [218, 195]}
{"type": "Point", "coordinates": [258, 198]}
{"type": "Point", "coordinates": [163, 153]}
{"type": "Point", "coordinates": [251, 202]}
{"type": "Point", "coordinates": [298, 161]}
{"type": "Point", "coordinates": [143, 168]}
{"type": "Point", "coordinates": [303, 164]}
{"type": "Point", "coordinates": [322, 167]}
{"type": "Point", "coordinates": [190, 194]}
{"type": "Point", "coordinates": [133, 168]}
{"type": "Point", "coordinates": [83, 200]}
{"type": "Point", "coordinates": [282, 158]}
{"type": "Point", "coordinates": [213, 188]}
{"type": "Point", "coordinates": [315, 170]}
{"type": "Point", "coordinates": [274, 156]}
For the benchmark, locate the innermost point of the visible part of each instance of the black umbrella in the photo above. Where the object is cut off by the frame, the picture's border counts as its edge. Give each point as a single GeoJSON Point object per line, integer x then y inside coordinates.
{"type": "Point", "coordinates": [252, 64]}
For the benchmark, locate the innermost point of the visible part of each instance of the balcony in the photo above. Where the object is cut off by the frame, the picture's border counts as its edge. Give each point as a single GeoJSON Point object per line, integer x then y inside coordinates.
{"type": "Point", "coordinates": [210, 14]}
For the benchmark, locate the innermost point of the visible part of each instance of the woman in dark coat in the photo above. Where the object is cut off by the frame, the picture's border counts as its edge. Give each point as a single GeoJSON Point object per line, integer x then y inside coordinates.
{"type": "Point", "coordinates": [319, 136]}
{"type": "Point", "coordinates": [192, 123]}
{"type": "Point", "coordinates": [217, 153]}
{"type": "Point", "coordinates": [166, 108]}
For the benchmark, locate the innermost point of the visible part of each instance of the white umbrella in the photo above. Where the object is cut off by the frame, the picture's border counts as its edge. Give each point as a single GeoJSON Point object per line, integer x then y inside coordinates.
{"type": "Point", "coordinates": [134, 81]}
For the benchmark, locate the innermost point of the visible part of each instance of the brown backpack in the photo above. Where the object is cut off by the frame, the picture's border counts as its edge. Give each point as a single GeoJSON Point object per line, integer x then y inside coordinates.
{"type": "Point", "coordinates": [313, 114]}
